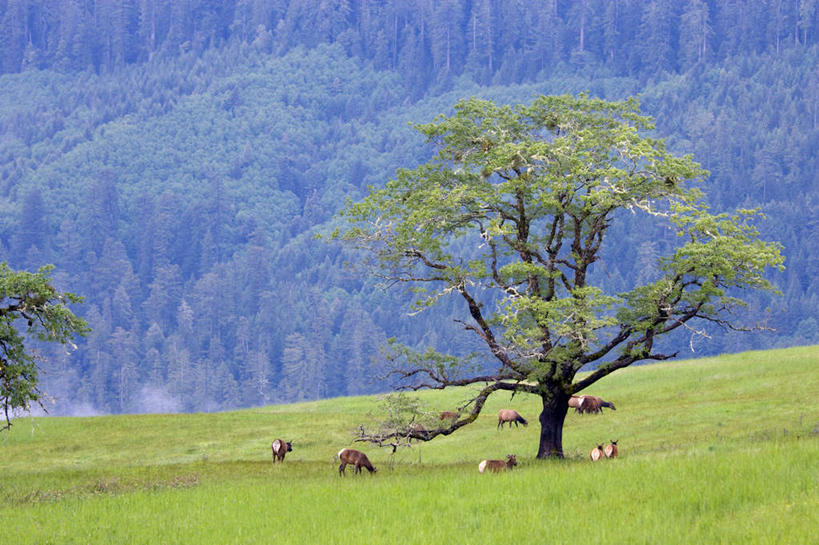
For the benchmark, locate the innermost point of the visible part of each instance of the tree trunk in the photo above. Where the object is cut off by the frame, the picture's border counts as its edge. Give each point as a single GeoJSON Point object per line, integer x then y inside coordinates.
{"type": "Point", "coordinates": [555, 407]}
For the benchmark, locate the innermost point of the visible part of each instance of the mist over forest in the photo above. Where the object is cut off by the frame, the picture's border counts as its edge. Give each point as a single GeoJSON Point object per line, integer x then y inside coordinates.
{"type": "Point", "coordinates": [175, 160]}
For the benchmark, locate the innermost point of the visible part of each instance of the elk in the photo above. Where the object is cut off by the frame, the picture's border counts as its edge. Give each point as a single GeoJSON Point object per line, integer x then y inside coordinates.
{"type": "Point", "coordinates": [510, 415]}
{"type": "Point", "coordinates": [596, 453]}
{"type": "Point", "coordinates": [356, 458]}
{"type": "Point", "coordinates": [589, 404]}
{"type": "Point", "coordinates": [280, 448]}
{"type": "Point", "coordinates": [497, 466]}
{"type": "Point", "coordinates": [611, 450]}
{"type": "Point", "coordinates": [419, 429]}
{"type": "Point", "coordinates": [449, 415]}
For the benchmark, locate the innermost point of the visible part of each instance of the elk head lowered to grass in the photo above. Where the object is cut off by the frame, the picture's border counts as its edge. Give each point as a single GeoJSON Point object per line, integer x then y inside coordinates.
{"type": "Point", "coordinates": [356, 458]}
{"type": "Point", "coordinates": [510, 415]}
{"type": "Point", "coordinates": [496, 466]}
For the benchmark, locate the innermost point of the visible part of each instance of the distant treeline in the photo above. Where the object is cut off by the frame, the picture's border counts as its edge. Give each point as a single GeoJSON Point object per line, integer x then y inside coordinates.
{"type": "Point", "coordinates": [426, 41]}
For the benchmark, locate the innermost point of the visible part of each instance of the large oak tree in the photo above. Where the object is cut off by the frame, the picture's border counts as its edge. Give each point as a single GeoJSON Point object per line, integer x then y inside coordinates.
{"type": "Point", "coordinates": [511, 214]}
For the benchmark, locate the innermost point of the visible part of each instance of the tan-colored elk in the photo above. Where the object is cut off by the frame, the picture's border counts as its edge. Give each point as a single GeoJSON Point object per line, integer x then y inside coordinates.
{"type": "Point", "coordinates": [496, 466]}
{"type": "Point", "coordinates": [510, 415]}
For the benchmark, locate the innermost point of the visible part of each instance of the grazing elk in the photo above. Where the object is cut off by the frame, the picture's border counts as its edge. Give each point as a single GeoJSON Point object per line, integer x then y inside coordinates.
{"type": "Point", "coordinates": [498, 465]}
{"type": "Point", "coordinates": [280, 448]}
{"type": "Point", "coordinates": [589, 404]}
{"type": "Point", "coordinates": [611, 450]}
{"type": "Point", "coordinates": [356, 458]}
{"type": "Point", "coordinates": [509, 415]}
{"type": "Point", "coordinates": [449, 415]}
{"type": "Point", "coordinates": [596, 453]}
{"type": "Point", "coordinates": [418, 429]}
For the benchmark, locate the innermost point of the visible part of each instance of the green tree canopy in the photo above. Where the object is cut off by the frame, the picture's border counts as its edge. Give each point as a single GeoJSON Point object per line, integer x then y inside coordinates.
{"type": "Point", "coordinates": [511, 214]}
{"type": "Point", "coordinates": [31, 309]}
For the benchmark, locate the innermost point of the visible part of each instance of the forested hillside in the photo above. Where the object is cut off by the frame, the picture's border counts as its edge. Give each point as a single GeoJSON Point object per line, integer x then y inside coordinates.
{"type": "Point", "coordinates": [174, 160]}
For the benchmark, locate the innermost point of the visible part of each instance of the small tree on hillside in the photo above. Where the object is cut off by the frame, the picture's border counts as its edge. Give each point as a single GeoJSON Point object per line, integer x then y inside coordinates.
{"type": "Point", "coordinates": [511, 214]}
{"type": "Point", "coordinates": [403, 419]}
{"type": "Point", "coordinates": [30, 309]}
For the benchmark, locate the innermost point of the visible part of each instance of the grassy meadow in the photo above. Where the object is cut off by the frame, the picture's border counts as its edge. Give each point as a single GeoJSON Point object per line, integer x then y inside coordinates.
{"type": "Point", "coordinates": [716, 450]}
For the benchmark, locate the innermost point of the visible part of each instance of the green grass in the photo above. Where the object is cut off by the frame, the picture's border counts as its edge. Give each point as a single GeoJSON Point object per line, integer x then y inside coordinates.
{"type": "Point", "coordinates": [717, 450]}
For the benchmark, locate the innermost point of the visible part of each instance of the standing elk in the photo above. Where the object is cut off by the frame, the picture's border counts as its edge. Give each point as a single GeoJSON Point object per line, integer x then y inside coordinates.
{"type": "Point", "coordinates": [510, 415]}
{"type": "Point", "coordinates": [576, 403]}
{"type": "Point", "coordinates": [356, 458]}
{"type": "Point", "coordinates": [280, 448]}
{"type": "Point", "coordinates": [498, 465]}
{"type": "Point", "coordinates": [589, 404]}
{"type": "Point", "coordinates": [611, 450]}
{"type": "Point", "coordinates": [596, 453]}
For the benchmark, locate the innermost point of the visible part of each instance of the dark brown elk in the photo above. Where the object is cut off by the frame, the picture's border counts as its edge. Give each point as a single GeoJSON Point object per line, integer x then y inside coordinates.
{"type": "Point", "coordinates": [509, 415]}
{"type": "Point", "coordinates": [498, 465]}
{"type": "Point", "coordinates": [280, 448]}
{"type": "Point", "coordinates": [596, 453]}
{"type": "Point", "coordinates": [589, 404]}
{"type": "Point", "coordinates": [356, 458]}
{"type": "Point", "coordinates": [449, 415]}
{"type": "Point", "coordinates": [611, 450]}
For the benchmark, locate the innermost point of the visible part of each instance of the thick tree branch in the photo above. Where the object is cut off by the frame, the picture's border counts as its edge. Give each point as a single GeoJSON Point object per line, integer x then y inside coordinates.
{"type": "Point", "coordinates": [439, 381]}
{"type": "Point", "coordinates": [486, 331]}
{"type": "Point", "coordinates": [423, 434]}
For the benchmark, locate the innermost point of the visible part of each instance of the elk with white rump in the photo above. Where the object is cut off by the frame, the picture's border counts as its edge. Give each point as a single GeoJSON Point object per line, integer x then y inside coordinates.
{"type": "Point", "coordinates": [596, 453]}
{"type": "Point", "coordinates": [280, 448]}
{"type": "Point", "coordinates": [611, 450]}
{"type": "Point", "coordinates": [589, 404]}
{"type": "Point", "coordinates": [497, 466]}
{"type": "Point", "coordinates": [356, 458]}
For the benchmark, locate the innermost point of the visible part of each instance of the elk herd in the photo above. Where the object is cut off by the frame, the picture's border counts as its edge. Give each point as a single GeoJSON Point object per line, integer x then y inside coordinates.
{"type": "Point", "coordinates": [581, 404]}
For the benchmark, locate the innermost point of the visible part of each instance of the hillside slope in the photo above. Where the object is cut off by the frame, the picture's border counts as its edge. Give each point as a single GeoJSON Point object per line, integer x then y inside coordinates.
{"type": "Point", "coordinates": [716, 449]}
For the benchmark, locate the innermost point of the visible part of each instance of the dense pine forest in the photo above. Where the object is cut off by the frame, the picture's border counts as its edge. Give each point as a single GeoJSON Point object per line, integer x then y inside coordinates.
{"type": "Point", "coordinates": [176, 160]}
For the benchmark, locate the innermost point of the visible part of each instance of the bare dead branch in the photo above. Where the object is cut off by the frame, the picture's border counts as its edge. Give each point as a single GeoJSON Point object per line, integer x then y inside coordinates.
{"type": "Point", "coordinates": [401, 437]}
